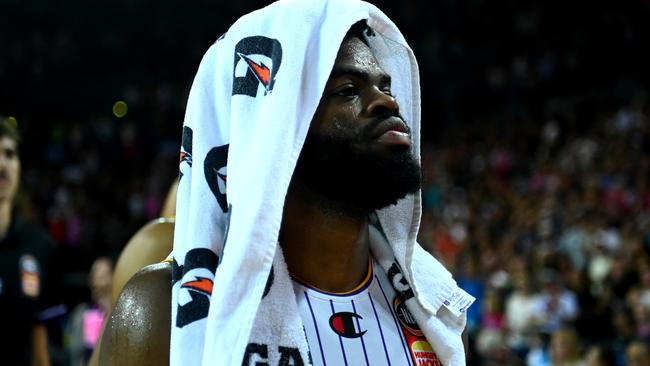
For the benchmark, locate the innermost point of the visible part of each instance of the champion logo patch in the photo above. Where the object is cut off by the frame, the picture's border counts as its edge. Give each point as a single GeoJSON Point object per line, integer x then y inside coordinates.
{"type": "Point", "coordinates": [345, 324]}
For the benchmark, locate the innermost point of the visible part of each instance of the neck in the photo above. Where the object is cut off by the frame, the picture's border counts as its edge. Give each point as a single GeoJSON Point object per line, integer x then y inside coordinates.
{"type": "Point", "coordinates": [5, 218]}
{"type": "Point", "coordinates": [325, 244]}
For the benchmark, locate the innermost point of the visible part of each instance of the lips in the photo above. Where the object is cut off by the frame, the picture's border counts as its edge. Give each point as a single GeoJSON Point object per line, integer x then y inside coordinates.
{"type": "Point", "coordinates": [4, 184]}
{"type": "Point", "coordinates": [392, 131]}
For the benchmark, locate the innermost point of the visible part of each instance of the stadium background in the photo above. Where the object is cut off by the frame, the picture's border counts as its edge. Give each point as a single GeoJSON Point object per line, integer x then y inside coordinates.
{"type": "Point", "coordinates": [535, 124]}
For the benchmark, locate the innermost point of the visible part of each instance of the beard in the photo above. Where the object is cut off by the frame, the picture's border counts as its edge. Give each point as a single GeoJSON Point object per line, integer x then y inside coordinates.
{"type": "Point", "coordinates": [341, 172]}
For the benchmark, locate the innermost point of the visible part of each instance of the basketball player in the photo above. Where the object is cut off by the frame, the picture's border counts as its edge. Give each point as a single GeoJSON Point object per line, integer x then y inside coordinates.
{"type": "Point", "coordinates": [356, 159]}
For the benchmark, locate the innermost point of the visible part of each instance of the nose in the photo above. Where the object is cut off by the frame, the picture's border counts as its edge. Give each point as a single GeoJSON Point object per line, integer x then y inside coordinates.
{"type": "Point", "coordinates": [381, 103]}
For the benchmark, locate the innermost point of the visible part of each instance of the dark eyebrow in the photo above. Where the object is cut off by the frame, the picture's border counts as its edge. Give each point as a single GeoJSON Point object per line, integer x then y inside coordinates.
{"type": "Point", "coordinates": [338, 72]}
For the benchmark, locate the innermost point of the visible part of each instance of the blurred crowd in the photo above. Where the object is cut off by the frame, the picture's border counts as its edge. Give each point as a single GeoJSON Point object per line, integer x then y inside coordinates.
{"type": "Point", "coordinates": [552, 236]}
{"type": "Point", "coordinates": [536, 153]}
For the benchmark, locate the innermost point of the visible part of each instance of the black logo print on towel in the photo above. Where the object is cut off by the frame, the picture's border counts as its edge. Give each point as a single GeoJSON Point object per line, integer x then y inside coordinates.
{"type": "Point", "coordinates": [399, 282]}
{"type": "Point", "coordinates": [269, 283]}
{"type": "Point", "coordinates": [258, 354]}
{"type": "Point", "coordinates": [216, 174]}
{"type": "Point", "coordinates": [186, 150]}
{"type": "Point", "coordinates": [257, 61]}
{"type": "Point", "coordinates": [201, 264]}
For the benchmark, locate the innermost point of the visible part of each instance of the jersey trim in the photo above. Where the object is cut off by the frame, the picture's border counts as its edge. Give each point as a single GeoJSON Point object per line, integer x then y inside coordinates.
{"type": "Point", "coordinates": [362, 286]}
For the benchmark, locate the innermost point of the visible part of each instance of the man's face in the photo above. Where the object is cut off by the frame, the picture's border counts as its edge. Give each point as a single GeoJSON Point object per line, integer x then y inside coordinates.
{"type": "Point", "coordinates": [358, 150]}
{"type": "Point", "coordinates": [9, 169]}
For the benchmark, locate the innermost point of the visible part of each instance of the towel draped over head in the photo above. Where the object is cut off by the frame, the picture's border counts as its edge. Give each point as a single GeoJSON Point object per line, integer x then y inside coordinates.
{"type": "Point", "coordinates": [247, 117]}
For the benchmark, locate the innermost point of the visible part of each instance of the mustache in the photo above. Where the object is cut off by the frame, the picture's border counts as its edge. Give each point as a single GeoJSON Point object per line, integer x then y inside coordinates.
{"type": "Point", "coordinates": [376, 121]}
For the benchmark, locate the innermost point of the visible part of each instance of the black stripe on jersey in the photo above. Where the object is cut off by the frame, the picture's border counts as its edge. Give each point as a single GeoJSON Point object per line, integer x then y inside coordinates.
{"type": "Point", "coordinates": [399, 330]}
{"type": "Point", "coordinates": [313, 317]}
{"type": "Point", "coordinates": [345, 359]}
{"type": "Point", "coordinates": [381, 332]}
{"type": "Point", "coordinates": [363, 344]}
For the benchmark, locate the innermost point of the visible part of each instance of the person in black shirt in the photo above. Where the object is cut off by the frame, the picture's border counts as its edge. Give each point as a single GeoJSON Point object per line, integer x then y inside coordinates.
{"type": "Point", "coordinates": [25, 257]}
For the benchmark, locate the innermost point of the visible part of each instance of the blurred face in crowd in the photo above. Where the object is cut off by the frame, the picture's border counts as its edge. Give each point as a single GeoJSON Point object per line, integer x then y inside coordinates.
{"type": "Point", "coordinates": [101, 274]}
{"type": "Point", "coordinates": [564, 346]}
{"type": "Point", "coordinates": [637, 354]}
{"type": "Point", "coordinates": [358, 150]}
{"type": "Point", "coordinates": [596, 356]}
{"type": "Point", "coordinates": [9, 169]}
{"type": "Point", "coordinates": [101, 278]}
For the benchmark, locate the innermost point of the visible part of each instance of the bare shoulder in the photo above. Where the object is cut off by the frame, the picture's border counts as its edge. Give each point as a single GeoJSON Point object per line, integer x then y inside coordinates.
{"type": "Point", "coordinates": [151, 244]}
{"type": "Point", "coordinates": [138, 329]}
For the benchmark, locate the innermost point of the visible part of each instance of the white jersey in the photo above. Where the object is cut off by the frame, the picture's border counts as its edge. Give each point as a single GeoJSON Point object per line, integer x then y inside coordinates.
{"type": "Point", "coordinates": [367, 326]}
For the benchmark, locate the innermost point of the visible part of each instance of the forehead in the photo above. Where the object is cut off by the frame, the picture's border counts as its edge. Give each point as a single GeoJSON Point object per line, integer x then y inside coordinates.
{"type": "Point", "coordinates": [101, 264]}
{"type": "Point", "coordinates": [356, 54]}
{"type": "Point", "coordinates": [7, 142]}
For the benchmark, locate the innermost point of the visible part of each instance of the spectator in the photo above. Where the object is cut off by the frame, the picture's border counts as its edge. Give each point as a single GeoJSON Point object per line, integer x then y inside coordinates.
{"type": "Point", "coordinates": [599, 355]}
{"type": "Point", "coordinates": [87, 319]}
{"type": "Point", "coordinates": [520, 316]}
{"type": "Point", "coordinates": [637, 354]}
{"type": "Point", "coordinates": [555, 307]}
{"type": "Point", "coordinates": [26, 273]}
{"type": "Point", "coordinates": [564, 349]}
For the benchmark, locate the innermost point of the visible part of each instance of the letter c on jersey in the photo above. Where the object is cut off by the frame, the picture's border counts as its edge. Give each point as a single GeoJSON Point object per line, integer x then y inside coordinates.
{"type": "Point", "coordinates": [343, 324]}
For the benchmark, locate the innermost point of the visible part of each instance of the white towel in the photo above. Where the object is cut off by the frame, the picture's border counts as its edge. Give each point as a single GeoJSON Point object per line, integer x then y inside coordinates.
{"type": "Point", "coordinates": [247, 117]}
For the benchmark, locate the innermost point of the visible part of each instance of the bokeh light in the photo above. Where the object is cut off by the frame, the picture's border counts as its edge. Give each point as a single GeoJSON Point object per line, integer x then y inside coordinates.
{"type": "Point", "coordinates": [13, 121]}
{"type": "Point", "coordinates": [120, 108]}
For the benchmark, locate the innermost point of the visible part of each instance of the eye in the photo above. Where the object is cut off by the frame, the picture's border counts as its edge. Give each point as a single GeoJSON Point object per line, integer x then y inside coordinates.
{"type": "Point", "coordinates": [385, 87]}
{"type": "Point", "coordinates": [347, 91]}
